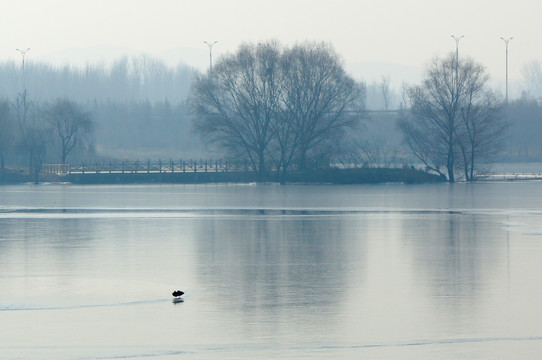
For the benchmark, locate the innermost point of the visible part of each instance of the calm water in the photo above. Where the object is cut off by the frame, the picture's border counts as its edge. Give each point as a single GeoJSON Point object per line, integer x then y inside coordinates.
{"type": "Point", "coordinates": [320, 272]}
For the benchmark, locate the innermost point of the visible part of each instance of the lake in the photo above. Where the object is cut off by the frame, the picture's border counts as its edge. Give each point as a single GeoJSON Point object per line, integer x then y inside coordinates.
{"type": "Point", "coordinates": [391, 271]}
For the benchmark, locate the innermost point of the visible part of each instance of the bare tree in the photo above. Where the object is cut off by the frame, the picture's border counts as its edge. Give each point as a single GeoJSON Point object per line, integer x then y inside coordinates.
{"type": "Point", "coordinates": [532, 75]}
{"type": "Point", "coordinates": [235, 105]}
{"type": "Point", "coordinates": [453, 116]}
{"type": "Point", "coordinates": [35, 140]}
{"type": "Point", "coordinates": [267, 102]}
{"type": "Point", "coordinates": [319, 100]}
{"type": "Point", "coordinates": [426, 146]}
{"type": "Point", "coordinates": [405, 103]}
{"type": "Point", "coordinates": [482, 130]}
{"type": "Point", "coordinates": [385, 90]}
{"type": "Point", "coordinates": [525, 118]}
{"type": "Point", "coordinates": [35, 134]}
{"type": "Point", "coordinates": [7, 132]}
{"type": "Point", "coordinates": [375, 153]}
{"type": "Point", "coordinates": [72, 125]}
{"type": "Point", "coordinates": [434, 107]}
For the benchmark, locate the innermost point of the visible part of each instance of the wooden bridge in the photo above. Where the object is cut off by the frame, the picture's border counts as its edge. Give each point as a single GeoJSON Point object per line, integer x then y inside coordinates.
{"type": "Point", "coordinates": [147, 167]}
{"type": "Point", "coordinates": [509, 177]}
{"type": "Point", "coordinates": [182, 170]}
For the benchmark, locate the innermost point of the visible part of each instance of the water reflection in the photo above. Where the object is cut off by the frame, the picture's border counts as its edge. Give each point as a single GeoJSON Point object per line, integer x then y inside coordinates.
{"type": "Point", "coordinates": [459, 257]}
{"type": "Point", "coordinates": [343, 272]}
{"type": "Point", "coordinates": [276, 271]}
{"type": "Point", "coordinates": [40, 257]}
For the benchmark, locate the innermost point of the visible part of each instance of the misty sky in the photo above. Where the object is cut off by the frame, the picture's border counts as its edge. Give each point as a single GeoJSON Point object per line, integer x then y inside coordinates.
{"type": "Point", "coordinates": [407, 32]}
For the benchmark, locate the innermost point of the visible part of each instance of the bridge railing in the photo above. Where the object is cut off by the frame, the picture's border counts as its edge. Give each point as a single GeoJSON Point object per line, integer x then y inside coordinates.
{"type": "Point", "coordinates": [55, 168]}
{"type": "Point", "coordinates": [509, 176]}
{"type": "Point", "coordinates": [157, 166]}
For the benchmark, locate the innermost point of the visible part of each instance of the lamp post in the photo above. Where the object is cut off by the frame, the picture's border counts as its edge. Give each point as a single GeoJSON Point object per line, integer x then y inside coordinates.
{"type": "Point", "coordinates": [457, 38]}
{"type": "Point", "coordinates": [23, 53]}
{"type": "Point", "coordinates": [210, 45]}
{"type": "Point", "coordinates": [506, 41]}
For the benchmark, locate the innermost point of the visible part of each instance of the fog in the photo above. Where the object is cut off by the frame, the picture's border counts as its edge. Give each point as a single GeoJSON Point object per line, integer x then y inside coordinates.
{"type": "Point", "coordinates": [137, 103]}
{"type": "Point", "coordinates": [127, 79]}
{"type": "Point", "coordinates": [139, 106]}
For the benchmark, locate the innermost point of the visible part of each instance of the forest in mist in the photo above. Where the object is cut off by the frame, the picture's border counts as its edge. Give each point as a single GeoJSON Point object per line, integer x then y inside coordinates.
{"type": "Point", "coordinates": [139, 108]}
{"type": "Point", "coordinates": [129, 79]}
{"type": "Point", "coordinates": [138, 104]}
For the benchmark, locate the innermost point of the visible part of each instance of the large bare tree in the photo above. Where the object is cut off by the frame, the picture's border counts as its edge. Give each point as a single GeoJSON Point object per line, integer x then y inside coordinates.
{"type": "Point", "coordinates": [482, 128]}
{"type": "Point", "coordinates": [72, 125]}
{"type": "Point", "coordinates": [318, 101]}
{"type": "Point", "coordinates": [454, 119]}
{"type": "Point", "coordinates": [273, 104]}
{"type": "Point", "coordinates": [236, 102]}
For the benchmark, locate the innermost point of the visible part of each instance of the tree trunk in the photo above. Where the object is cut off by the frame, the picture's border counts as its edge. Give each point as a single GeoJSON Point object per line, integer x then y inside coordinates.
{"type": "Point", "coordinates": [36, 172]}
{"type": "Point", "coordinates": [471, 168]}
{"type": "Point", "coordinates": [2, 165]}
{"type": "Point", "coordinates": [450, 165]}
{"type": "Point", "coordinates": [261, 170]}
{"type": "Point", "coordinates": [302, 158]}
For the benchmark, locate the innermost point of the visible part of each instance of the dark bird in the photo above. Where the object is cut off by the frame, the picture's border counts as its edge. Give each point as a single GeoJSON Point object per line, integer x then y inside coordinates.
{"type": "Point", "coordinates": [177, 293]}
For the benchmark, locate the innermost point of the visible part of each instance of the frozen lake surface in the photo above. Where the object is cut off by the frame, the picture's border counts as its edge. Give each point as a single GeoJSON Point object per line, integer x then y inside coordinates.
{"type": "Point", "coordinates": [442, 271]}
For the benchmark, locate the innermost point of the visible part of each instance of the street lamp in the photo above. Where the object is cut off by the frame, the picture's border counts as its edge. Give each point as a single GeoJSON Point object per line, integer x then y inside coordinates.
{"type": "Point", "coordinates": [23, 53]}
{"type": "Point", "coordinates": [457, 38]}
{"type": "Point", "coordinates": [506, 41]}
{"type": "Point", "coordinates": [210, 45]}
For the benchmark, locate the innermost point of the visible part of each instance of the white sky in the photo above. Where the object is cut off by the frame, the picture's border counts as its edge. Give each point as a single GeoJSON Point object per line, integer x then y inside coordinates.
{"type": "Point", "coordinates": [408, 32]}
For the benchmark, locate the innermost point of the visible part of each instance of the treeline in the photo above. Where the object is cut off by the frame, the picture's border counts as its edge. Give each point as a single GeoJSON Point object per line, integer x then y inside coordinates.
{"type": "Point", "coordinates": [134, 79]}
{"type": "Point", "coordinates": [30, 130]}
{"type": "Point", "coordinates": [280, 108]}
{"type": "Point", "coordinates": [135, 107]}
{"type": "Point", "coordinates": [62, 131]}
{"type": "Point", "coordinates": [524, 140]}
{"type": "Point", "coordinates": [144, 130]}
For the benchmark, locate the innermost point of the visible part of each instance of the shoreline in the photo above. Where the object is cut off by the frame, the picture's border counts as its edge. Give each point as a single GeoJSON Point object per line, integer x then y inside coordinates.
{"type": "Point", "coordinates": [327, 176]}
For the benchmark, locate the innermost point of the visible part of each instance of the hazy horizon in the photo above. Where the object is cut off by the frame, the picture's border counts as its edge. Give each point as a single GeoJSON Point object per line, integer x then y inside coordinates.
{"type": "Point", "coordinates": [368, 71]}
{"type": "Point", "coordinates": [396, 32]}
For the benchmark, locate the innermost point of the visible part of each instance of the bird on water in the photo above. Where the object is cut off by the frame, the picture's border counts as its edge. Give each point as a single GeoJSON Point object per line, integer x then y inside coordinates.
{"type": "Point", "coordinates": [177, 293]}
